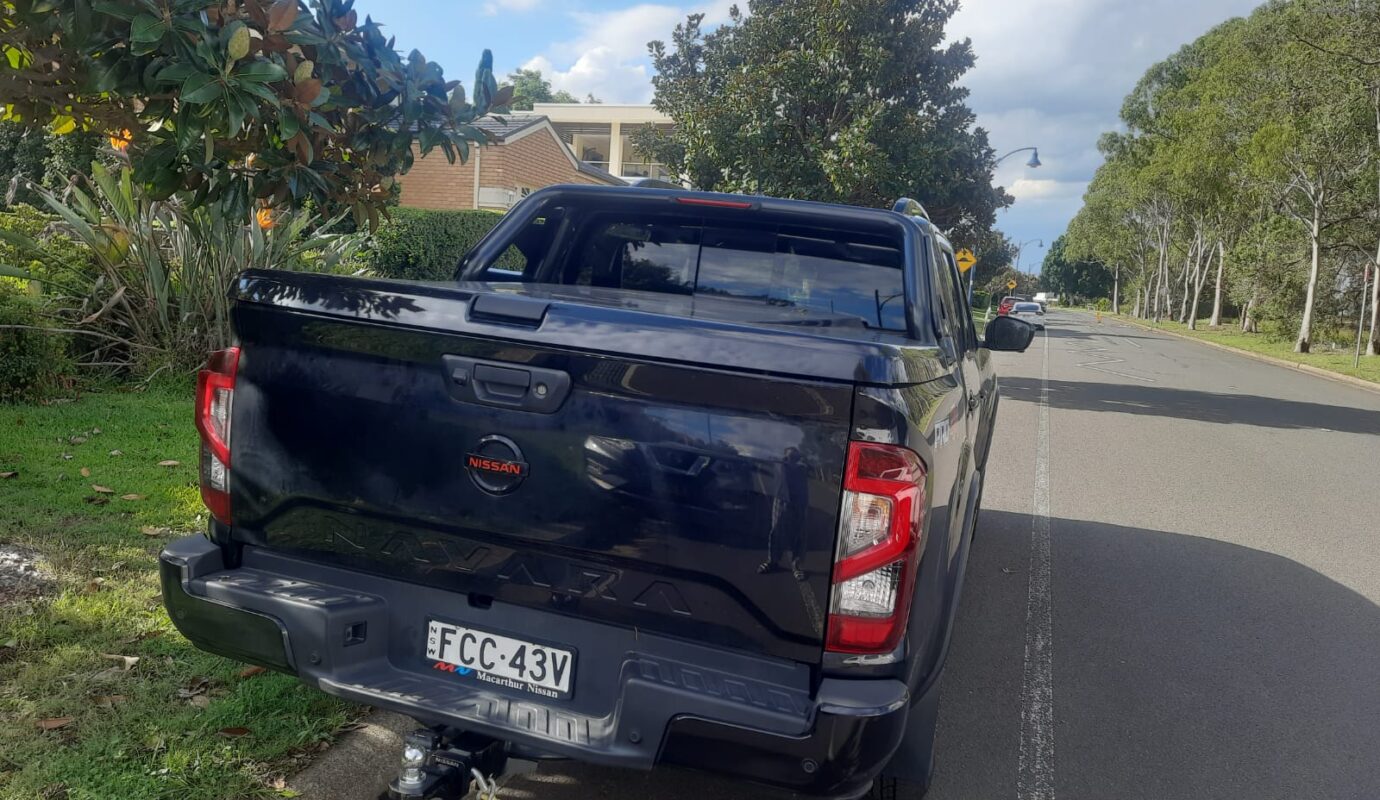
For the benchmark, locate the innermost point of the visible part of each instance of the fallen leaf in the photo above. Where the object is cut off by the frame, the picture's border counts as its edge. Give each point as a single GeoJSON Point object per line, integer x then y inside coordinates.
{"type": "Point", "coordinates": [116, 453]}
{"type": "Point", "coordinates": [139, 637]}
{"type": "Point", "coordinates": [77, 439]}
{"type": "Point", "coordinates": [95, 585]}
{"type": "Point", "coordinates": [169, 463]}
{"type": "Point", "coordinates": [197, 687]}
{"type": "Point", "coordinates": [249, 672]}
{"type": "Point", "coordinates": [66, 456]}
{"type": "Point", "coordinates": [107, 700]}
{"type": "Point", "coordinates": [200, 701]}
{"type": "Point", "coordinates": [131, 497]}
{"type": "Point", "coordinates": [53, 723]}
{"type": "Point", "coordinates": [8, 474]}
{"type": "Point", "coordinates": [86, 472]}
{"type": "Point", "coordinates": [127, 661]}
{"type": "Point", "coordinates": [95, 431]}
{"type": "Point", "coordinates": [99, 489]}
{"type": "Point", "coordinates": [97, 500]}
{"type": "Point", "coordinates": [149, 530]}
{"type": "Point", "coordinates": [110, 674]}
{"type": "Point", "coordinates": [233, 733]}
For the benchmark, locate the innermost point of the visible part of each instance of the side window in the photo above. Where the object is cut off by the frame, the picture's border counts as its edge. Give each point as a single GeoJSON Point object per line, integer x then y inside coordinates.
{"type": "Point", "coordinates": [965, 312]}
{"type": "Point", "coordinates": [948, 313]}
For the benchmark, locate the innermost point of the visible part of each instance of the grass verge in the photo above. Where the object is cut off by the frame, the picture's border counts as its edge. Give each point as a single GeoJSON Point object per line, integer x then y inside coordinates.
{"type": "Point", "coordinates": [100, 696]}
{"type": "Point", "coordinates": [1324, 357]}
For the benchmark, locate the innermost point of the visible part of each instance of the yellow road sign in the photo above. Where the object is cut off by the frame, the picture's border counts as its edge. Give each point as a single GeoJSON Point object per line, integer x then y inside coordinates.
{"type": "Point", "coordinates": [1010, 284]}
{"type": "Point", "coordinates": [965, 259]}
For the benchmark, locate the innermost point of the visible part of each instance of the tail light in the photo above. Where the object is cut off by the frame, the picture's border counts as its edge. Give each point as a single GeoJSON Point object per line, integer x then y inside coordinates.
{"type": "Point", "coordinates": [880, 529]}
{"type": "Point", "coordinates": [215, 395]}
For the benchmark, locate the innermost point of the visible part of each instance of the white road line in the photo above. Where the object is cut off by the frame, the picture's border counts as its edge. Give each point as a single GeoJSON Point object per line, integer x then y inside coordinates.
{"type": "Point", "coordinates": [1035, 768]}
{"type": "Point", "coordinates": [1092, 365]}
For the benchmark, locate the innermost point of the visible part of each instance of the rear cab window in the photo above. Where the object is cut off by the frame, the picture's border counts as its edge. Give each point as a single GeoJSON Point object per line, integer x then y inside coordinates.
{"type": "Point", "coordinates": [827, 275]}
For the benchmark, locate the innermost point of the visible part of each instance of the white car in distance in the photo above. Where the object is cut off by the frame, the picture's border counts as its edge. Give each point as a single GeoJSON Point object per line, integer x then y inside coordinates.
{"type": "Point", "coordinates": [1031, 313]}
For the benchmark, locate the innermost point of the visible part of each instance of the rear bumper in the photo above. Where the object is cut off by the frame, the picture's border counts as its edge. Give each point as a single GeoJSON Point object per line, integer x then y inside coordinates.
{"type": "Point", "coordinates": [638, 700]}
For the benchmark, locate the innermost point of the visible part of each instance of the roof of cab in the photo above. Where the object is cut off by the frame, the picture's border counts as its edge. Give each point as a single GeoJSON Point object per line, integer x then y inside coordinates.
{"type": "Point", "coordinates": [727, 201]}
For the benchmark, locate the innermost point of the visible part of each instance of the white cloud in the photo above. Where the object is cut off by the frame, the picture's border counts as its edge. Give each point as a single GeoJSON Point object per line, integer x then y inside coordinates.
{"type": "Point", "coordinates": [608, 55]}
{"type": "Point", "coordinates": [494, 7]}
{"type": "Point", "coordinates": [1035, 188]}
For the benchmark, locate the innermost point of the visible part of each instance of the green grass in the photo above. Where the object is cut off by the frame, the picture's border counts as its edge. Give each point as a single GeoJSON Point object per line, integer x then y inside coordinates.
{"type": "Point", "coordinates": [1322, 357]}
{"type": "Point", "coordinates": [131, 734]}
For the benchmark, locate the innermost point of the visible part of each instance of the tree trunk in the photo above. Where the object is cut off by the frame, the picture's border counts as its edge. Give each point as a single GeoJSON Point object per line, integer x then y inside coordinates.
{"type": "Point", "coordinates": [1373, 343]}
{"type": "Point", "coordinates": [1248, 324]}
{"type": "Point", "coordinates": [1200, 273]}
{"type": "Point", "coordinates": [1217, 293]}
{"type": "Point", "coordinates": [1190, 275]}
{"type": "Point", "coordinates": [1116, 295]}
{"type": "Point", "coordinates": [1305, 339]}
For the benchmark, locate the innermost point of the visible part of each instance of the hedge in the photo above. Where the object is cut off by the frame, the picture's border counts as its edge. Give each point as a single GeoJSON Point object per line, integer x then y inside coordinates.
{"type": "Point", "coordinates": [424, 245]}
{"type": "Point", "coordinates": [33, 364]}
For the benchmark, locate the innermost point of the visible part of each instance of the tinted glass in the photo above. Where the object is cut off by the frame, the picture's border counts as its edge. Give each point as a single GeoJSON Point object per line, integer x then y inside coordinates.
{"type": "Point", "coordinates": [964, 314]}
{"type": "Point", "coordinates": [831, 275]}
{"type": "Point", "coordinates": [844, 274]}
{"type": "Point", "coordinates": [1027, 306]}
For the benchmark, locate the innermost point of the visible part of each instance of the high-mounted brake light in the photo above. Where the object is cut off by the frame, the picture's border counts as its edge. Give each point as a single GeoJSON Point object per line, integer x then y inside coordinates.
{"type": "Point", "coordinates": [215, 395]}
{"type": "Point", "coordinates": [709, 201]}
{"type": "Point", "coordinates": [880, 529]}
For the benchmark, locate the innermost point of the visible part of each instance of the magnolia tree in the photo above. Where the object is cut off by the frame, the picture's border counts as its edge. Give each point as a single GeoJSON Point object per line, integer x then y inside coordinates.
{"type": "Point", "coordinates": [239, 102]}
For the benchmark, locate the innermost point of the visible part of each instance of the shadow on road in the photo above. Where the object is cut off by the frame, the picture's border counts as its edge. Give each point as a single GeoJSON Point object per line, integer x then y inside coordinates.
{"type": "Point", "coordinates": [1057, 331]}
{"type": "Point", "coordinates": [1227, 409]}
{"type": "Point", "coordinates": [1184, 667]}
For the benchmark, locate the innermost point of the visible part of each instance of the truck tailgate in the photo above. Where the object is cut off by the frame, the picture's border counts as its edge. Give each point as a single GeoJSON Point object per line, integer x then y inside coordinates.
{"type": "Point", "coordinates": [698, 501]}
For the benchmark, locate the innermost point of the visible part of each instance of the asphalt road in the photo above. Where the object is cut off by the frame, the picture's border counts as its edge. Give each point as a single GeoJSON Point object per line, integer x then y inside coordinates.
{"type": "Point", "coordinates": [1213, 544]}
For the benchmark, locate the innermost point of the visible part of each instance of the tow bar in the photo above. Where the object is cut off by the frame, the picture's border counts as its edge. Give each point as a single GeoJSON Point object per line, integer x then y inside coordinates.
{"type": "Point", "coordinates": [443, 763]}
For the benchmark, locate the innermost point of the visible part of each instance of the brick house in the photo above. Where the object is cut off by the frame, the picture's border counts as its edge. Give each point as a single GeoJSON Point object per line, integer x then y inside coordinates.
{"type": "Point", "coordinates": [525, 153]}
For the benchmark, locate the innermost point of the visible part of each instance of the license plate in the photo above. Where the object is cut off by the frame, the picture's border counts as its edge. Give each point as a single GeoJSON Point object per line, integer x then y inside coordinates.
{"type": "Point", "coordinates": [500, 660]}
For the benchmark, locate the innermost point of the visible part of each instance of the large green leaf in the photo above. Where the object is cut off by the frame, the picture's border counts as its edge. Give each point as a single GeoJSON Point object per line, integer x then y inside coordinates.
{"type": "Point", "coordinates": [201, 88]}
{"type": "Point", "coordinates": [260, 72]}
{"type": "Point", "coordinates": [147, 28]}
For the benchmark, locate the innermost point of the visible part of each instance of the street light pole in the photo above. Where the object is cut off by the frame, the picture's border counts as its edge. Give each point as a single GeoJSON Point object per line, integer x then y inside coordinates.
{"type": "Point", "coordinates": [1033, 163]}
{"type": "Point", "coordinates": [1034, 157]}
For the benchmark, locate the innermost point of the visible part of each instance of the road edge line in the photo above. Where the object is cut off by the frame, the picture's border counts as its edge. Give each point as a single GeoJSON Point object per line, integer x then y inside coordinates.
{"type": "Point", "coordinates": [1306, 369]}
{"type": "Point", "coordinates": [1035, 764]}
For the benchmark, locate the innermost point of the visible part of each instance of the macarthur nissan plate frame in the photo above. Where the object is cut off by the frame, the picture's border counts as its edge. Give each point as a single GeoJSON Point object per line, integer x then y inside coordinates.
{"type": "Point", "coordinates": [486, 656]}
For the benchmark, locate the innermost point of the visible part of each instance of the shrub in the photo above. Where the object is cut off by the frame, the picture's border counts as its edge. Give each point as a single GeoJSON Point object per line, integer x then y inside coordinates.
{"type": "Point", "coordinates": [422, 245]}
{"type": "Point", "coordinates": [61, 260]}
{"type": "Point", "coordinates": [33, 364]}
{"type": "Point", "coordinates": [153, 293]}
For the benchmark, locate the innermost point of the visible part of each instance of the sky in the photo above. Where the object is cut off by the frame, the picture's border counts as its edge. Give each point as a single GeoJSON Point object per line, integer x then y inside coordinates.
{"type": "Point", "coordinates": [1050, 73]}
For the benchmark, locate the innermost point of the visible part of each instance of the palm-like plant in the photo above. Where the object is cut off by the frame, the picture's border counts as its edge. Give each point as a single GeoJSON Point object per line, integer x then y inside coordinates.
{"type": "Point", "coordinates": [155, 294]}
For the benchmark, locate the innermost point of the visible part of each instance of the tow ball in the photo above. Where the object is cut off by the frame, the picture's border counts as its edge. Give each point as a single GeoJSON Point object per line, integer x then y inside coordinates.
{"type": "Point", "coordinates": [443, 764]}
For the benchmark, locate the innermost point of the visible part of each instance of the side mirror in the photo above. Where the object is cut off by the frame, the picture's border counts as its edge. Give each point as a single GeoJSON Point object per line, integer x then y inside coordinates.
{"type": "Point", "coordinates": [1008, 334]}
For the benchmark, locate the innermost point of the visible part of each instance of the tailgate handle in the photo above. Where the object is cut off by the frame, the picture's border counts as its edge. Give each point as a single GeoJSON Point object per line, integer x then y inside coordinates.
{"type": "Point", "coordinates": [495, 383]}
{"type": "Point", "coordinates": [510, 310]}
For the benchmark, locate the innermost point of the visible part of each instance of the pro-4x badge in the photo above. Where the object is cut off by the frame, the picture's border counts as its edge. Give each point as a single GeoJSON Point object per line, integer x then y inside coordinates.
{"type": "Point", "coordinates": [496, 465]}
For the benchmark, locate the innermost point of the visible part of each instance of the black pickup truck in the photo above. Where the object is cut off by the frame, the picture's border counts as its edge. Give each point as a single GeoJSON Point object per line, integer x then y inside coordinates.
{"type": "Point", "coordinates": [663, 477]}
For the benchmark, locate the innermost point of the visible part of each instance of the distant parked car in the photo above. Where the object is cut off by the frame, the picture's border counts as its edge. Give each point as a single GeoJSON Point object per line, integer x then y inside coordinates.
{"type": "Point", "coordinates": [1029, 312]}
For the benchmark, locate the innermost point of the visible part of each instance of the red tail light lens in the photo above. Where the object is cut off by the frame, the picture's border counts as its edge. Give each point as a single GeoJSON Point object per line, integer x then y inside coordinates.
{"type": "Point", "coordinates": [215, 396]}
{"type": "Point", "coordinates": [880, 530]}
{"type": "Point", "coordinates": [713, 202]}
